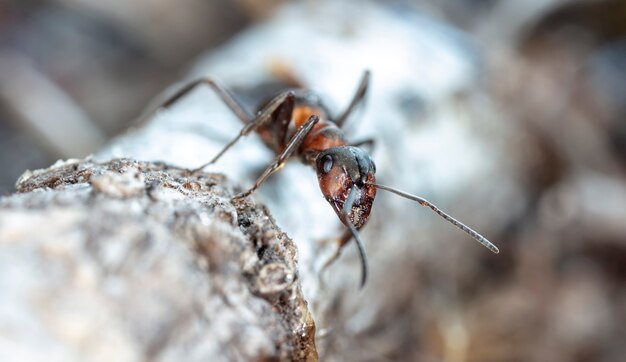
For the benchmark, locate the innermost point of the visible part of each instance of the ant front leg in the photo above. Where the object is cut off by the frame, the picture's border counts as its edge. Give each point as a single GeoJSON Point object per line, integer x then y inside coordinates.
{"type": "Point", "coordinates": [341, 242]}
{"type": "Point", "coordinates": [291, 147]}
{"type": "Point", "coordinates": [283, 101]}
{"type": "Point", "coordinates": [368, 144]}
{"type": "Point", "coordinates": [357, 99]}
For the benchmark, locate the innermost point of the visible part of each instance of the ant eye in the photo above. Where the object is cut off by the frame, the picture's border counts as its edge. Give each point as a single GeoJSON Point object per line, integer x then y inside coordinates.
{"type": "Point", "coordinates": [327, 163]}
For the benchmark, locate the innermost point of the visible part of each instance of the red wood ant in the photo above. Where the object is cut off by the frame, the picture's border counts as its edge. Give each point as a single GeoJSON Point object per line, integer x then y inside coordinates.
{"type": "Point", "coordinates": [296, 123]}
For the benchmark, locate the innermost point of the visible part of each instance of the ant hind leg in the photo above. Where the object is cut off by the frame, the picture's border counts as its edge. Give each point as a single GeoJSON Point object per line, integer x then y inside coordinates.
{"type": "Point", "coordinates": [227, 97]}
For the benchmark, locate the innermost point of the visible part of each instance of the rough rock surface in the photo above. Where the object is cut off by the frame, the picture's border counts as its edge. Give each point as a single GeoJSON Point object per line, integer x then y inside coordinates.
{"type": "Point", "coordinates": [130, 261]}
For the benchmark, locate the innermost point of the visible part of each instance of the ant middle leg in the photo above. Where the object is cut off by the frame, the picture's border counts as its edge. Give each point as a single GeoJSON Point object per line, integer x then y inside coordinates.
{"type": "Point", "coordinates": [282, 102]}
{"type": "Point", "coordinates": [358, 97]}
{"type": "Point", "coordinates": [280, 160]}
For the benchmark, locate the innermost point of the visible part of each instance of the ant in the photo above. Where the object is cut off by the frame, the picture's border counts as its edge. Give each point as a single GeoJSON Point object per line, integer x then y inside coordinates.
{"type": "Point", "coordinates": [296, 123]}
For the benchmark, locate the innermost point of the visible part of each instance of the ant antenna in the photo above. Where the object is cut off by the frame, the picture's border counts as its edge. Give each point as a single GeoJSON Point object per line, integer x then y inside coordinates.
{"type": "Point", "coordinates": [347, 206]}
{"type": "Point", "coordinates": [481, 239]}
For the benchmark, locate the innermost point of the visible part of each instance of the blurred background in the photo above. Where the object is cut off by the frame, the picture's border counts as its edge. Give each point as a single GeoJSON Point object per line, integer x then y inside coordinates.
{"type": "Point", "coordinates": [74, 73]}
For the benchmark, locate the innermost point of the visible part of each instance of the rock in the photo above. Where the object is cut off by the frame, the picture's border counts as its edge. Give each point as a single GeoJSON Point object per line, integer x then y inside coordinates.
{"type": "Point", "coordinates": [129, 261]}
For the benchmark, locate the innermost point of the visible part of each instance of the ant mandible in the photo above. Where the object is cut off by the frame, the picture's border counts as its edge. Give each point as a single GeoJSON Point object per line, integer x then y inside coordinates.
{"type": "Point", "coordinates": [296, 123]}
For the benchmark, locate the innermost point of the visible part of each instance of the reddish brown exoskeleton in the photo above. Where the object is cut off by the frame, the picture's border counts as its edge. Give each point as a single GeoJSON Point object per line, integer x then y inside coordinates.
{"type": "Point", "coordinates": [296, 123]}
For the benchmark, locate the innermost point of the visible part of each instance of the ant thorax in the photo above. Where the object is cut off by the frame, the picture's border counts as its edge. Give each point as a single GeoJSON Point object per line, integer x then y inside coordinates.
{"type": "Point", "coordinates": [324, 135]}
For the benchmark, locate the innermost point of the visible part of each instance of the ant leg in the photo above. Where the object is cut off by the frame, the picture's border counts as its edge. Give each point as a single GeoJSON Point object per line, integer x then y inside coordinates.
{"type": "Point", "coordinates": [341, 242]}
{"type": "Point", "coordinates": [359, 96]}
{"type": "Point", "coordinates": [367, 143]}
{"type": "Point", "coordinates": [291, 147]}
{"type": "Point", "coordinates": [281, 102]}
{"type": "Point", "coordinates": [223, 93]}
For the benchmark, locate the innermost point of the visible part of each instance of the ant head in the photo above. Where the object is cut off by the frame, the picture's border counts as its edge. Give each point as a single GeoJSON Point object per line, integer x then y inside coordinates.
{"type": "Point", "coordinates": [346, 177]}
{"type": "Point", "coordinates": [346, 170]}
